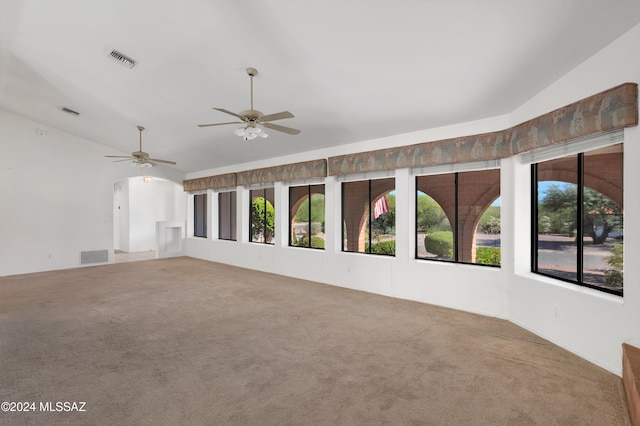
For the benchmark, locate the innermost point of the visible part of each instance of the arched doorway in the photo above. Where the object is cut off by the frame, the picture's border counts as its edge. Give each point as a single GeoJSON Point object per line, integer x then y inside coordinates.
{"type": "Point", "coordinates": [138, 203]}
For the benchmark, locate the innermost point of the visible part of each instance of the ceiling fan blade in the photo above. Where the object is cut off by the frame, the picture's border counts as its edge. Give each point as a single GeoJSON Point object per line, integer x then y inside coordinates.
{"type": "Point", "coordinates": [277, 116]}
{"type": "Point", "coordinates": [118, 156]}
{"type": "Point", "coordinates": [120, 161]}
{"type": "Point", "coordinates": [162, 161]}
{"type": "Point", "coordinates": [220, 124]}
{"type": "Point", "coordinates": [279, 128]}
{"type": "Point", "coordinates": [231, 113]}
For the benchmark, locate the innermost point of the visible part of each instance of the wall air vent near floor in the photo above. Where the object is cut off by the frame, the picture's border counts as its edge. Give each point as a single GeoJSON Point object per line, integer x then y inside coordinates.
{"type": "Point", "coordinates": [95, 256]}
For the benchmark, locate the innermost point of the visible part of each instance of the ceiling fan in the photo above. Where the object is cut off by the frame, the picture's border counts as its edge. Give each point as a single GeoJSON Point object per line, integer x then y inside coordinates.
{"type": "Point", "coordinates": [139, 157]}
{"type": "Point", "coordinates": [252, 118]}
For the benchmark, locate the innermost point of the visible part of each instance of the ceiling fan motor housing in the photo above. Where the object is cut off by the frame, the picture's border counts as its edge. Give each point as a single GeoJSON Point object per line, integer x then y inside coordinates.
{"type": "Point", "coordinates": [252, 115]}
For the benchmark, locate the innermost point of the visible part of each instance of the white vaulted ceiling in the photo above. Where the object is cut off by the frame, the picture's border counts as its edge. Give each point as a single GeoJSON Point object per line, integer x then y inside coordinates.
{"type": "Point", "coordinates": [348, 70]}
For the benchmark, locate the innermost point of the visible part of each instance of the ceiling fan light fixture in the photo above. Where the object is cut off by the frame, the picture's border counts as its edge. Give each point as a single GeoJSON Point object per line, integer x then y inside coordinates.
{"type": "Point", "coordinates": [252, 117]}
{"type": "Point", "coordinates": [142, 165]}
{"type": "Point", "coordinates": [249, 133]}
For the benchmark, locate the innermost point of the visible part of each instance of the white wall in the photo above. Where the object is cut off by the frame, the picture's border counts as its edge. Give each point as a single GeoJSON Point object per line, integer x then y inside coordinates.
{"type": "Point", "coordinates": [56, 196]}
{"type": "Point", "coordinates": [121, 215]}
{"type": "Point", "coordinates": [587, 322]}
{"type": "Point", "coordinates": [142, 205]}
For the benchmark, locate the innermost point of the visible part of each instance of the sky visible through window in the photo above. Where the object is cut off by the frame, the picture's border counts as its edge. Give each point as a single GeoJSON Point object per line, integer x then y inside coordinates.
{"type": "Point", "coordinates": [543, 187]}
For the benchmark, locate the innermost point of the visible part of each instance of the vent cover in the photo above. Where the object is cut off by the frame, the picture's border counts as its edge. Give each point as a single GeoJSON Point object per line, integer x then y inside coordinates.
{"type": "Point", "coordinates": [122, 58]}
{"type": "Point", "coordinates": [70, 111]}
{"type": "Point", "coordinates": [95, 256]}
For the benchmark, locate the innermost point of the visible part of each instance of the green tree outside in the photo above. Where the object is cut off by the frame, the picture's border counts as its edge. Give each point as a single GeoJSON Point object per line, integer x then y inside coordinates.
{"type": "Point", "coordinates": [557, 213]}
{"type": "Point", "coordinates": [386, 222]}
{"type": "Point", "coordinates": [490, 220]}
{"type": "Point", "coordinates": [430, 216]}
{"type": "Point", "coordinates": [317, 209]}
{"type": "Point", "coordinates": [262, 225]}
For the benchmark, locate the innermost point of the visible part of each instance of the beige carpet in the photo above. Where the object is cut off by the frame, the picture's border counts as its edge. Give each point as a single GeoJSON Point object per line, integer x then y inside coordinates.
{"type": "Point", "coordinates": [185, 341]}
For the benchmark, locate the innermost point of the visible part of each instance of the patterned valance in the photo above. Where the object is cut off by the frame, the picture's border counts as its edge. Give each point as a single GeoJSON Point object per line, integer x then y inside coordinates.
{"type": "Point", "coordinates": [210, 182]}
{"type": "Point", "coordinates": [610, 110]}
{"type": "Point", "coordinates": [295, 171]}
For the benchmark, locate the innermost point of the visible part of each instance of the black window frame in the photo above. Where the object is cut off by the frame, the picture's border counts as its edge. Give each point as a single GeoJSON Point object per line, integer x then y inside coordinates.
{"type": "Point", "coordinates": [454, 226]}
{"type": "Point", "coordinates": [253, 194]}
{"type": "Point", "coordinates": [309, 194]}
{"type": "Point", "coordinates": [232, 225]}
{"type": "Point", "coordinates": [369, 222]}
{"type": "Point", "coordinates": [200, 215]}
{"type": "Point", "coordinates": [579, 231]}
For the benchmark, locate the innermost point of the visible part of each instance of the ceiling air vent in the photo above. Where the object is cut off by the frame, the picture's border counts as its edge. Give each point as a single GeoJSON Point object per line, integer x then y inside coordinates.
{"type": "Point", "coordinates": [122, 58]}
{"type": "Point", "coordinates": [70, 111]}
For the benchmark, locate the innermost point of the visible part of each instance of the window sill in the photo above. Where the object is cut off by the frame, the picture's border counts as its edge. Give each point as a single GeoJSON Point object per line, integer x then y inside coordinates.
{"type": "Point", "coordinates": [577, 288]}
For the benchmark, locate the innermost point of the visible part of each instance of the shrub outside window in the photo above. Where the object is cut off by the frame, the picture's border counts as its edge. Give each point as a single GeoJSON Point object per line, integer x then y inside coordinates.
{"type": "Point", "coordinates": [577, 233]}
{"type": "Point", "coordinates": [261, 219]}
{"type": "Point", "coordinates": [369, 217]}
{"type": "Point", "coordinates": [458, 217]}
{"type": "Point", "coordinates": [306, 216]}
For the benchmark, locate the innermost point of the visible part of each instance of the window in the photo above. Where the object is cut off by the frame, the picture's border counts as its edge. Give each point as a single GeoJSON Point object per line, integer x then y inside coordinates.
{"type": "Point", "coordinates": [306, 216]}
{"type": "Point", "coordinates": [200, 215]}
{"type": "Point", "coordinates": [458, 217]}
{"type": "Point", "coordinates": [227, 215]}
{"type": "Point", "coordinates": [369, 217]}
{"type": "Point", "coordinates": [577, 230]}
{"type": "Point", "coordinates": [261, 219]}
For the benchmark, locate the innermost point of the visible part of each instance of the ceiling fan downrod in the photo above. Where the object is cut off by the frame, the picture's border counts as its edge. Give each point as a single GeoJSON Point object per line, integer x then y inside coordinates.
{"type": "Point", "coordinates": [252, 72]}
{"type": "Point", "coordinates": [140, 128]}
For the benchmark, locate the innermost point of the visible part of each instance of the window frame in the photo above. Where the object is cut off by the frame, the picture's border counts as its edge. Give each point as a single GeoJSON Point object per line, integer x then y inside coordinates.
{"type": "Point", "coordinates": [233, 222]}
{"type": "Point", "coordinates": [291, 217]}
{"type": "Point", "coordinates": [264, 190]}
{"type": "Point", "coordinates": [200, 215]}
{"type": "Point", "coordinates": [455, 224]}
{"type": "Point", "coordinates": [580, 210]}
{"type": "Point", "coordinates": [370, 218]}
